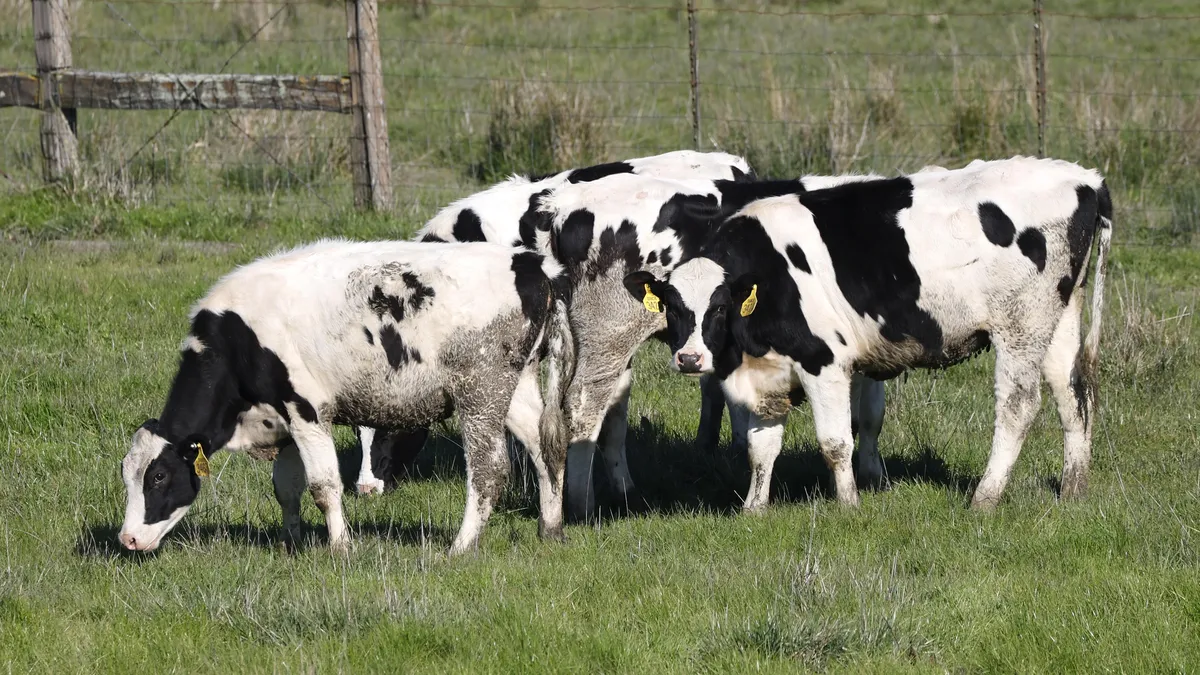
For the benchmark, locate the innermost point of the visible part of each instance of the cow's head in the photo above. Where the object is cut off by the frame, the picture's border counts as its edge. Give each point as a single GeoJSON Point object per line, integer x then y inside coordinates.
{"type": "Point", "coordinates": [701, 308]}
{"type": "Point", "coordinates": [162, 479]}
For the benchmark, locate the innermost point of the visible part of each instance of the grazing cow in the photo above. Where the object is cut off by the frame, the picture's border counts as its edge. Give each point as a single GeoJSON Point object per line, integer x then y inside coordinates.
{"type": "Point", "coordinates": [390, 334]}
{"type": "Point", "coordinates": [604, 230]}
{"type": "Point", "coordinates": [885, 275]}
{"type": "Point", "coordinates": [503, 214]}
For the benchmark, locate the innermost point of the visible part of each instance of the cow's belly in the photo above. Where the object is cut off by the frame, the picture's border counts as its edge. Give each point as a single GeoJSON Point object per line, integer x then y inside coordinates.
{"type": "Point", "coordinates": [411, 398]}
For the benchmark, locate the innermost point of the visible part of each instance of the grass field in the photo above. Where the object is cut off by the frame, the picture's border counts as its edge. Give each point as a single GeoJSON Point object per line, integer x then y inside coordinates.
{"type": "Point", "coordinates": [96, 281]}
{"type": "Point", "coordinates": [912, 580]}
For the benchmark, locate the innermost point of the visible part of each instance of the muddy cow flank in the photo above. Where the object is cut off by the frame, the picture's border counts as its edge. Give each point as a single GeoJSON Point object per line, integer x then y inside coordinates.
{"type": "Point", "coordinates": [884, 275]}
{"type": "Point", "coordinates": [391, 334]}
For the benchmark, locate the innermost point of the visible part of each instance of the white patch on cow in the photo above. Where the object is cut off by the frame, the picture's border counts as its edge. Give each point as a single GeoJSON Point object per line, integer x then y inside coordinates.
{"type": "Point", "coordinates": [135, 533]}
{"type": "Point", "coordinates": [192, 343]}
{"type": "Point", "coordinates": [695, 282]}
{"type": "Point", "coordinates": [258, 428]}
{"type": "Point", "coordinates": [811, 183]}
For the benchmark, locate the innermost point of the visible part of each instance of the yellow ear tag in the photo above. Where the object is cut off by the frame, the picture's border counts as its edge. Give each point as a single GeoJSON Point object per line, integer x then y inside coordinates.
{"type": "Point", "coordinates": [651, 301]}
{"type": "Point", "coordinates": [201, 463]}
{"type": "Point", "coordinates": [751, 302]}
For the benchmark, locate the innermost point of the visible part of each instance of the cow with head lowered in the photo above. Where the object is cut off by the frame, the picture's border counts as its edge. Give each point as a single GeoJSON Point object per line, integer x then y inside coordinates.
{"type": "Point", "coordinates": [880, 276]}
{"type": "Point", "coordinates": [387, 334]}
{"type": "Point", "coordinates": [505, 214]}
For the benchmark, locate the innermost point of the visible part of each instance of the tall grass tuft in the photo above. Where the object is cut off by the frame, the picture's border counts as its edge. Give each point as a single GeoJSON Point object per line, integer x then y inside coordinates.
{"type": "Point", "coordinates": [537, 129]}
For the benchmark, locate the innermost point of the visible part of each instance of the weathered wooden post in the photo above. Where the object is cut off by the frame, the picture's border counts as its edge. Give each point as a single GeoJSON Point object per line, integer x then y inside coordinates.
{"type": "Point", "coordinates": [369, 155]}
{"type": "Point", "coordinates": [52, 45]}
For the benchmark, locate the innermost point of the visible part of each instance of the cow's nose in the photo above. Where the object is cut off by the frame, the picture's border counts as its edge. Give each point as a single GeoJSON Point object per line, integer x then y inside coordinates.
{"type": "Point", "coordinates": [128, 541]}
{"type": "Point", "coordinates": [689, 362]}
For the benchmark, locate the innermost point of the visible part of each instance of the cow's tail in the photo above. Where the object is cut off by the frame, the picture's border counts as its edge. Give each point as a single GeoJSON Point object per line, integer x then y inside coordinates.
{"type": "Point", "coordinates": [560, 367]}
{"type": "Point", "coordinates": [1091, 343]}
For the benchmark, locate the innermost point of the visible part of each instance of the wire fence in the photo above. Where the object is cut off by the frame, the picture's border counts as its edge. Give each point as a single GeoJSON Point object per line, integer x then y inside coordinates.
{"type": "Point", "coordinates": [478, 90]}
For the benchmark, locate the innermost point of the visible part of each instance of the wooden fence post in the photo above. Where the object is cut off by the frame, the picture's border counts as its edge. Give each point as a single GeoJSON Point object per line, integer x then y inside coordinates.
{"type": "Point", "coordinates": [694, 68]}
{"type": "Point", "coordinates": [1039, 55]}
{"type": "Point", "coordinates": [52, 45]}
{"type": "Point", "coordinates": [369, 155]}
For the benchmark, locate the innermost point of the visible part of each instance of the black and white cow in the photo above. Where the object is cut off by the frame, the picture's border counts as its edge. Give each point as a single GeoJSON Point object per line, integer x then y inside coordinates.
{"type": "Point", "coordinates": [603, 230]}
{"type": "Point", "coordinates": [388, 334]}
{"type": "Point", "coordinates": [885, 275]}
{"type": "Point", "coordinates": [504, 214]}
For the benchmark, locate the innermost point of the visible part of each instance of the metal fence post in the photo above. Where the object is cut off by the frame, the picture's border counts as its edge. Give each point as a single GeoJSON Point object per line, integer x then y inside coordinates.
{"type": "Point", "coordinates": [1039, 55]}
{"type": "Point", "coordinates": [52, 46]}
{"type": "Point", "coordinates": [694, 59]}
{"type": "Point", "coordinates": [370, 158]}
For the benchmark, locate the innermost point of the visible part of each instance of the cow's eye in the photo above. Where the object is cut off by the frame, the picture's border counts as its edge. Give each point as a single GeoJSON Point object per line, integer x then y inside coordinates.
{"type": "Point", "coordinates": [159, 477]}
{"type": "Point", "coordinates": [720, 309]}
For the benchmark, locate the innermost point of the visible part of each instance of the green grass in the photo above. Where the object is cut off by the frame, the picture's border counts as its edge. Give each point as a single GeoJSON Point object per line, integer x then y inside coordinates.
{"type": "Point", "coordinates": [912, 580]}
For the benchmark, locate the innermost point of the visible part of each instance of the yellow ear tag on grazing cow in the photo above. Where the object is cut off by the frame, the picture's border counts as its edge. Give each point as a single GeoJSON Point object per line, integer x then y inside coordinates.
{"type": "Point", "coordinates": [751, 302]}
{"type": "Point", "coordinates": [201, 463]}
{"type": "Point", "coordinates": [651, 301]}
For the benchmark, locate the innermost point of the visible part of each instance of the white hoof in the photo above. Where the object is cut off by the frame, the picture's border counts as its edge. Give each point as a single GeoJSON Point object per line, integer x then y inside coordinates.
{"type": "Point", "coordinates": [374, 486]}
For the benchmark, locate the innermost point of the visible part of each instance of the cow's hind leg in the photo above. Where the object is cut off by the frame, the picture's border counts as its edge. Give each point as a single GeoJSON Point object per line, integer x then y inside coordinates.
{"type": "Point", "coordinates": [1074, 393]}
{"type": "Point", "coordinates": [590, 397]}
{"type": "Point", "coordinates": [829, 395]}
{"type": "Point", "coordinates": [319, 455]}
{"type": "Point", "coordinates": [867, 403]}
{"type": "Point", "coordinates": [1018, 397]}
{"type": "Point", "coordinates": [524, 416]}
{"type": "Point", "coordinates": [287, 477]}
{"type": "Point", "coordinates": [487, 472]}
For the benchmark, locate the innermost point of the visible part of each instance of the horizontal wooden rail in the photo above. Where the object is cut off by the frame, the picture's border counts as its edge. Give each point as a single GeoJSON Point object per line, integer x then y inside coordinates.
{"type": "Point", "coordinates": [156, 91]}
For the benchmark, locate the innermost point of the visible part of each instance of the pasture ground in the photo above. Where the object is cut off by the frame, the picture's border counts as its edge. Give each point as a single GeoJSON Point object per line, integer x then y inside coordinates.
{"type": "Point", "coordinates": [913, 580]}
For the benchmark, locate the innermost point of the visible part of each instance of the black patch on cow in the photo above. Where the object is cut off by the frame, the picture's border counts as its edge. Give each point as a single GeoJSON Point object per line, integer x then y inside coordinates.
{"type": "Point", "coordinates": [737, 194]}
{"type": "Point", "coordinates": [420, 292]}
{"type": "Point", "coordinates": [692, 218]}
{"type": "Point", "coordinates": [1082, 228]}
{"type": "Point", "coordinates": [532, 285]}
{"type": "Point", "coordinates": [841, 338]}
{"type": "Point", "coordinates": [858, 223]}
{"type": "Point", "coordinates": [370, 338]}
{"type": "Point", "coordinates": [468, 227]}
{"type": "Point", "coordinates": [533, 220]}
{"type": "Point", "coordinates": [997, 226]}
{"type": "Point", "coordinates": [1033, 244]}
{"type": "Point", "coordinates": [616, 246]}
{"type": "Point", "coordinates": [575, 238]}
{"type": "Point", "coordinates": [431, 238]}
{"type": "Point", "coordinates": [1079, 387]}
{"type": "Point", "coordinates": [382, 303]}
{"type": "Point", "coordinates": [398, 353]}
{"type": "Point", "coordinates": [799, 260]}
{"type": "Point", "coordinates": [599, 171]}
{"type": "Point", "coordinates": [1066, 285]}
{"type": "Point", "coordinates": [746, 252]}
{"type": "Point", "coordinates": [170, 481]}
{"type": "Point", "coordinates": [665, 257]}
{"type": "Point", "coordinates": [652, 258]}
{"type": "Point", "coordinates": [213, 386]}
{"type": "Point", "coordinates": [740, 176]}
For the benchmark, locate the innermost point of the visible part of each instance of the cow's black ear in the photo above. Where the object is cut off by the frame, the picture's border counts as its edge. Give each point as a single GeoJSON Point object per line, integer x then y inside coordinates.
{"type": "Point", "coordinates": [635, 283]}
{"type": "Point", "coordinates": [150, 425]}
{"type": "Point", "coordinates": [746, 291]}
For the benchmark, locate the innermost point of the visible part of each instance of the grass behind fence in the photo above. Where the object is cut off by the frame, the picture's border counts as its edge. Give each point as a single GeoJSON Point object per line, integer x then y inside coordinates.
{"type": "Point", "coordinates": [476, 92]}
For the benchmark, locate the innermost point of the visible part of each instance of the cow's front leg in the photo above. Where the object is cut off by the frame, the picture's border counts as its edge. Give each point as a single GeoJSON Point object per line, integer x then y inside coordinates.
{"type": "Point", "coordinates": [712, 409]}
{"type": "Point", "coordinates": [368, 482]}
{"type": "Point", "coordinates": [319, 456]}
{"type": "Point", "coordinates": [287, 477]}
{"type": "Point", "coordinates": [612, 447]}
{"type": "Point", "coordinates": [829, 394]}
{"type": "Point", "coordinates": [765, 440]}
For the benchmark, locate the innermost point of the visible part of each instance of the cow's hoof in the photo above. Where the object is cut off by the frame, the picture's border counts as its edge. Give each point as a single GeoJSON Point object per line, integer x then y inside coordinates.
{"type": "Point", "coordinates": [985, 502]}
{"type": "Point", "coordinates": [1074, 484]}
{"type": "Point", "coordinates": [370, 487]}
